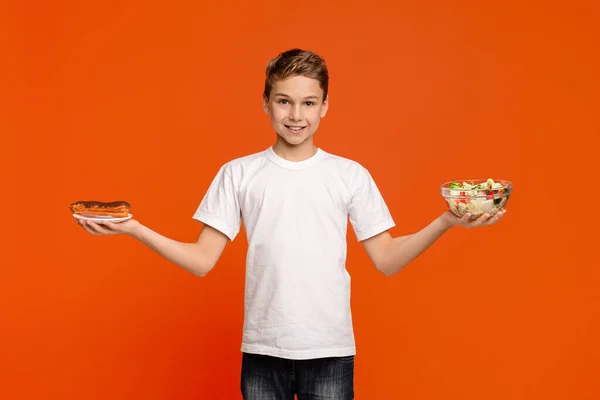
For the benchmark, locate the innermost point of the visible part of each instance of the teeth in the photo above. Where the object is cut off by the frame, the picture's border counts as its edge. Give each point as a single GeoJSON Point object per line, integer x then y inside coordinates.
{"type": "Point", "coordinates": [296, 128]}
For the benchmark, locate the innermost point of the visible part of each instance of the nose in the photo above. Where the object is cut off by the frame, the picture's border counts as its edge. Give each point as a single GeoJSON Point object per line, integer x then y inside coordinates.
{"type": "Point", "coordinates": [296, 113]}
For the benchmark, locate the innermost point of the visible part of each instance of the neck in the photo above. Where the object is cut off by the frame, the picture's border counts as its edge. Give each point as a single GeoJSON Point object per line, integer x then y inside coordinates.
{"type": "Point", "coordinates": [297, 153]}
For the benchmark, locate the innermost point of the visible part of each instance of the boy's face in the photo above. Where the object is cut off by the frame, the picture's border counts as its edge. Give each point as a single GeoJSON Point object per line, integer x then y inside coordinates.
{"type": "Point", "coordinates": [296, 106]}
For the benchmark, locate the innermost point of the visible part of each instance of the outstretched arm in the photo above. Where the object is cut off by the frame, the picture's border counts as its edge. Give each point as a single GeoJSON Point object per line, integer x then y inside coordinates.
{"type": "Point", "coordinates": [390, 254]}
{"type": "Point", "coordinates": [198, 258]}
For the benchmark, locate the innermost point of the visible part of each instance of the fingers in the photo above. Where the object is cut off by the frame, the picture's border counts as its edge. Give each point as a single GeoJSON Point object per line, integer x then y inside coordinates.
{"type": "Point", "coordinates": [98, 228]}
{"type": "Point", "coordinates": [93, 228]}
{"type": "Point", "coordinates": [110, 226]}
{"type": "Point", "coordinates": [496, 217]}
{"type": "Point", "coordinates": [85, 227]}
{"type": "Point", "coordinates": [465, 219]}
{"type": "Point", "coordinates": [486, 219]}
{"type": "Point", "coordinates": [481, 221]}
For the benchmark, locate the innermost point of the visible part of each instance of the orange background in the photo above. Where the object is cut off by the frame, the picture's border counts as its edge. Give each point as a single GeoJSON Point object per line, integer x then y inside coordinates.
{"type": "Point", "coordinates": [144, 102]}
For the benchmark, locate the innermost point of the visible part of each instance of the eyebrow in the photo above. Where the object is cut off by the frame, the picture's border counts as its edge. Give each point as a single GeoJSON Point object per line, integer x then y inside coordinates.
{"type": "Point", "coordinates": [307, 97]}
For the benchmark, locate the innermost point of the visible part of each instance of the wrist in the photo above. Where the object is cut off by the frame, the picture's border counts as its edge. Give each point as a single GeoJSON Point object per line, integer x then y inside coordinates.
{"type": "Point", "coordinates": [137, 232]}
{"type": "Point", "coordinates": [444, 221]}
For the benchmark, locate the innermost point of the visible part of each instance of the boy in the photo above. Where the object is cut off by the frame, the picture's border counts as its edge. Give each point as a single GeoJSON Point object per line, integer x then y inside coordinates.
{"type": "Point", "coordinates": [294, 200]}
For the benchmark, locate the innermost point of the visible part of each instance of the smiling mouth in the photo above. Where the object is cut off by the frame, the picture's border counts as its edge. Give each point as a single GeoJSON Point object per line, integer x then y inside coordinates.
{"type": "Point", "coordinates": [295, 129]}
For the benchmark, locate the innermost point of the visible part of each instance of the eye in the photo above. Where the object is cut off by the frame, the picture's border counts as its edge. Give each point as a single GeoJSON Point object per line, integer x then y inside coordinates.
{"type": "Point", "coordinates": [309, 103]}
{"type": "Point", "coordinates": [282, 101]}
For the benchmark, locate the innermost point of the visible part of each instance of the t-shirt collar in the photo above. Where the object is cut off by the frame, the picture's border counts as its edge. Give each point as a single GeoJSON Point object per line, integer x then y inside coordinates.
{"type": "Point", "coordinates": [295, 165]}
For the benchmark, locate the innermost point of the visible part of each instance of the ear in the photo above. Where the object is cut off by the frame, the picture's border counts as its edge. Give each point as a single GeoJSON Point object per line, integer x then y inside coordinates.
{"type": "Point", "coordinates": [325, 107]}
{"type": "Point", "coordinates": [265, 104]}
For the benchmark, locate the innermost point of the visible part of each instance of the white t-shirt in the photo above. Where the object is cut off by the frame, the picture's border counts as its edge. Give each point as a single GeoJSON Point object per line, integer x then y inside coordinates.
{"type": "Point", "coordinates": [297, 296]}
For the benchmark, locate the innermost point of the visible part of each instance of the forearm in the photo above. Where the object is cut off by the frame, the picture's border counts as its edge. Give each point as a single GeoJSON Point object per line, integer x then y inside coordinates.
{"type": "Point", "coordinates": [186, 255]}
{"type": "Point", "coordinates": [402, 250]}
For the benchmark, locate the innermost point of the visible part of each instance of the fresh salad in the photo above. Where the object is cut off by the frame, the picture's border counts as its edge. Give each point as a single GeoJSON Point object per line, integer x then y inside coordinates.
{"type": "Point", "coordinates": [488, 189]}
{"type": "Point", "coordinates": [477, 199]}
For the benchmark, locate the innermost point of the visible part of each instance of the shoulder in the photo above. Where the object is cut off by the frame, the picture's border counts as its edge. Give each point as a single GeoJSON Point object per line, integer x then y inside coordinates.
{"type": "Point", "coordinates": [347, 168]}
{"type": "Point", "coordinates": [240, 166]}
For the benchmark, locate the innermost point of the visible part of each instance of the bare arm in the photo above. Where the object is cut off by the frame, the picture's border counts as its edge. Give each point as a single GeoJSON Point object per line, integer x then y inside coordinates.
{"type": "Point", "coordinates": [198, 258]}
{"type": "Point", "coordinates": [390, 254]}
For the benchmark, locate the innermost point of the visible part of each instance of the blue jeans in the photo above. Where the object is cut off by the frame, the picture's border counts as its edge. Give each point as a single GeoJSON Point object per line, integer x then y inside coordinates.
{"type": "Point", "coordinates": [272, 378]}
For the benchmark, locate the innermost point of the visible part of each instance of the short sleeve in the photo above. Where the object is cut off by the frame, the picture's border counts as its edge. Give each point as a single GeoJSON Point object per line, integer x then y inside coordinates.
{"type": "Point", "coordinates": [368, 213]}
{"type": "Point", "coordinates": [220, 206]}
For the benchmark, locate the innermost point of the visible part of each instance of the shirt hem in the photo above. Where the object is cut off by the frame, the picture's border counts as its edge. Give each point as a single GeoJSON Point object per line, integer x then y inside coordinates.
{"type": "Point", "coordinates": [377, 229]}
{"type": "Point", "coordinates": [298, 355]}
{"type": "Point", "coordinates": [219, 225]}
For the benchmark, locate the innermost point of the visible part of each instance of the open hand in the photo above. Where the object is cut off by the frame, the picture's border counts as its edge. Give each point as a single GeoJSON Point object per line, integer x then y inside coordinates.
{"type": "Point", "coordinates": [129, 227]}
{"type": "Point", "coordinates": [465, 221]}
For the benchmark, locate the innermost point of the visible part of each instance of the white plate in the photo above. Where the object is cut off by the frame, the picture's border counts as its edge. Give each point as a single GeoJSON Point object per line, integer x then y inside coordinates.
{"type": "Point", "coordinates": [100, 219]}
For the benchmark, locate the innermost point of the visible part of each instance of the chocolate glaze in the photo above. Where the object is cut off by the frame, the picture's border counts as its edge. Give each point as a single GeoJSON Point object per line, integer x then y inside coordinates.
{"type": "Point", "coordinates": [101, 204]}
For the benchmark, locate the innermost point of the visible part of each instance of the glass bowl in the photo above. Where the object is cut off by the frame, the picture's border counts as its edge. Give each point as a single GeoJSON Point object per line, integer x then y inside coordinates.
{"type": "Point", "coordinates": [476, 196]}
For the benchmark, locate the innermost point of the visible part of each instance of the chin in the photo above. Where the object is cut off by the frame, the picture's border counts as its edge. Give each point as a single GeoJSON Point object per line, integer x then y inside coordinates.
{"type": "Point", "coordinates": [294, 140]}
